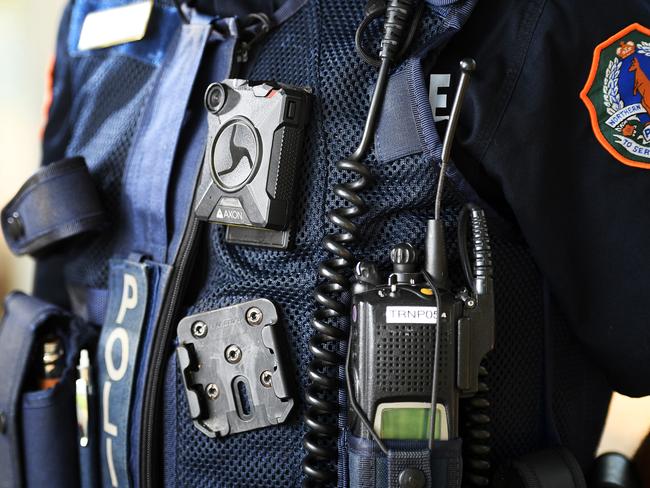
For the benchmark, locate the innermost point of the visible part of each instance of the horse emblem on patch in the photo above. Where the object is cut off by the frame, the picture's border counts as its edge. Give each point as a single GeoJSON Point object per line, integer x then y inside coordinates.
{"type": "Point", "coordinates": [617, 95]}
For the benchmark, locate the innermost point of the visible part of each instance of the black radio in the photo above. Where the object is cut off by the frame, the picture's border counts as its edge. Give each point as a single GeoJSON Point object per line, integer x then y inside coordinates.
{"type": "Point", "coordinates": [416, 343]}
{"type": "Point", "coordinates": [416, 346]}
{"type": "Point", "coordinates": [392, 347]}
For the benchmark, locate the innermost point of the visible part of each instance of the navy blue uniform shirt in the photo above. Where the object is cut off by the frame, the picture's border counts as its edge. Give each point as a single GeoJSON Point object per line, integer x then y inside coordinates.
{"type": "Point", "coordinates": [555, 135]}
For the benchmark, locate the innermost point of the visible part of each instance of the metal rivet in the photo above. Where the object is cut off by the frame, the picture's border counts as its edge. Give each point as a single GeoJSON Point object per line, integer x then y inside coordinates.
{"type": "Point", "coordinates": [199, 329]}
{"type": "Point", "coordinates": [412, 478]}
{"type": "Point", "coordinates": [3, 423]}
{"type": "Point", "coordinates": [471, 303]}
{"type": "Point", "coordinates": [15, 226]}
{"type": "Point", "coordinates": [233, 354]}
{"type": "Point", "coordinates": [254, 316]}
{"type": "Point", "coordinates": [212, 391]}
{"type": "Point", "coordinates": [266, 378]}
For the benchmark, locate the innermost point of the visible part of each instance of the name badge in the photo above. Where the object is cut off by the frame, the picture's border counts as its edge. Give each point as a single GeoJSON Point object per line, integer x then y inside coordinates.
{"type": "Point", "coordinates": [113, 26]}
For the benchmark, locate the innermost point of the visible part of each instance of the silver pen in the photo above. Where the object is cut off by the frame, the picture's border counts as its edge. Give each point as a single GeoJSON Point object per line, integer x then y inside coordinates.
{"type": "Point", "coordinates": [83, 392]}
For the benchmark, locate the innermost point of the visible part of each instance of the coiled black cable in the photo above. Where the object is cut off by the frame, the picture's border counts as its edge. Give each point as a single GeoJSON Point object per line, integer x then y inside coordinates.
{"type": "Point", "coordinates": [373, 12]}
{"type": "Point", "coordinates": [319, 464]}
{"type": "Point", "coordinates": [476, 435]}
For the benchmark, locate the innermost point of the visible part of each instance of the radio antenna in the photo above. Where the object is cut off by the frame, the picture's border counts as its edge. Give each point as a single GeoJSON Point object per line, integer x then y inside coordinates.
{"type": "Point", "coordinates": [436, 255]}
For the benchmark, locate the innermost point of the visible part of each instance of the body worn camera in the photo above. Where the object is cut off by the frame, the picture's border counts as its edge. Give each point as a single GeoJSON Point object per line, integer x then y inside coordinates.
{"type": "Point", "coordinates": [254, 146]}
{"type": "Point", "coordinates": [403, 335]}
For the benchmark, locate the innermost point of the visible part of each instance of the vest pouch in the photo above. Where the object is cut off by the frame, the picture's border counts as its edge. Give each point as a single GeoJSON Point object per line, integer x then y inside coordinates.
{"type": "Point", "coordinates": [408, 463]}
{"type": "Point", "coordinates": [39, 437]}
{"type": "Point", "coordinates": [49, 435]}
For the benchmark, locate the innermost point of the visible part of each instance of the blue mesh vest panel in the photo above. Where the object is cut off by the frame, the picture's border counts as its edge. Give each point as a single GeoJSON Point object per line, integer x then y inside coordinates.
{"type": "Point", "coordinates": [316, 48]}
{"type": "Point", "coordinates": [532, 394]}
{"type": "Point", "coordinates": [99, 99]}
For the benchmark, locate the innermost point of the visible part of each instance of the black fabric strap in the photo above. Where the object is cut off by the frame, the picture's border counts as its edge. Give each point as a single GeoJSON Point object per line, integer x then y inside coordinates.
{"type": "Point", "coordinates": [409, 468]}
{"type": "Point", "coordinates": [439, 467]}
{"type": "Point", "coordinates": [58, 202]}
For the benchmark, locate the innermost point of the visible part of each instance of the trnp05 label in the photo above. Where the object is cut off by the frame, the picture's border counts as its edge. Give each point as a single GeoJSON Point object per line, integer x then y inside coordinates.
{"type": "Point", "coordinates": [411, 315]}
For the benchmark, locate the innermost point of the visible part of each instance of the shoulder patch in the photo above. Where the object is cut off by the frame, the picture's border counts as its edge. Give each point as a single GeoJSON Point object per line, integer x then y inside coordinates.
{"type": "Point", "coordinates": [617, 95]}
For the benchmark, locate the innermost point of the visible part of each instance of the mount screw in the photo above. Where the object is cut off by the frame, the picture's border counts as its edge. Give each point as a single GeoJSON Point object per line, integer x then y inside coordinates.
{"type": "Point", "coordinates": [266, 378]}
{"type": "Point", "coordinates": [199, 329]}
{"type": "Point", "coordinates": [233, 354]}
{"type": "Point", "coordinates": [212, 391]}
{"type": "Point", "coordinates": [254, 316]}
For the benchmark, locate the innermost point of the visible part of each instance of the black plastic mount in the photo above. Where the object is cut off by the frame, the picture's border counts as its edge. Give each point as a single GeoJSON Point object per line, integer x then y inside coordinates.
{"type": "Point", "coordinates": [231, 360]}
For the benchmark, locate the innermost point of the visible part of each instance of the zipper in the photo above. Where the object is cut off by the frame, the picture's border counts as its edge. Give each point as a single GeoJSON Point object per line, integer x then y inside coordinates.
{"type": "Point", "coordinates": [149, 434]}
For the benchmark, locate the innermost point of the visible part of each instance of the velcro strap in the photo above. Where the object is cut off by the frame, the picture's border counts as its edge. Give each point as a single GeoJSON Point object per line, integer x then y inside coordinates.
{"type": "Point", "coordinates": [58, 202]}
{"type": "Point", "coordinates": [440, 467]}
{"type": "Point", "coordinates": [408, 464]}
{"type": "Point", "coordinates": [409, 468]}
{"type": "Point", "coordinates": [23, 316]}
{"type": "Point", "coordinates": [406, 125]}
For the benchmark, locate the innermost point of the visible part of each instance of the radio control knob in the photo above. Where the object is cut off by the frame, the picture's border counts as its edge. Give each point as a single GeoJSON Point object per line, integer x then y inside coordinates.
{"type": "Point", "coordinates": [404, 257]}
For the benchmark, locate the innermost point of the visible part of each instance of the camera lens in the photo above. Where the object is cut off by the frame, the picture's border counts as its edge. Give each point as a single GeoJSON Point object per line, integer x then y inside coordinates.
{"type": "Point", "coordinates": [215, 97]}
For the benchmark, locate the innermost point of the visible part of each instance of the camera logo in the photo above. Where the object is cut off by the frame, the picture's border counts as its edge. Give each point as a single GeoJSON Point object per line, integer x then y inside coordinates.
{"type": "Point", "coordinates": [235, 155]}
